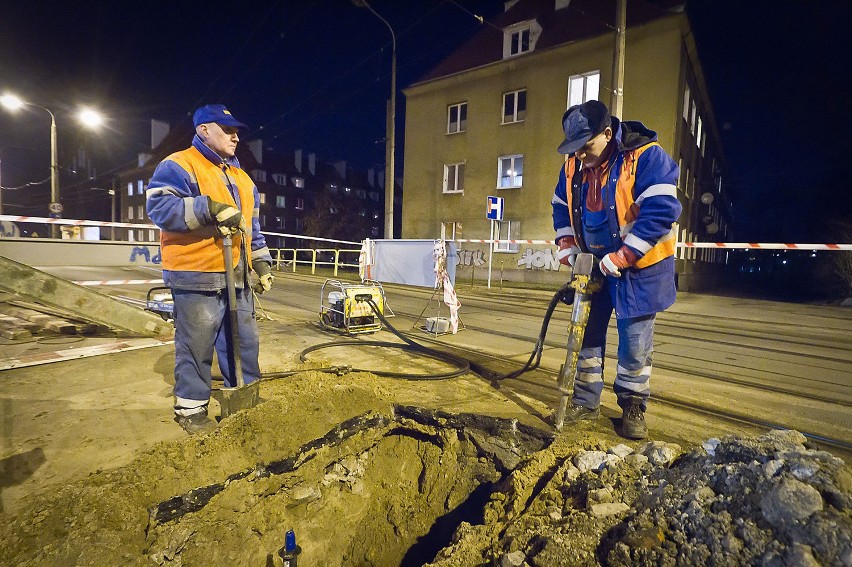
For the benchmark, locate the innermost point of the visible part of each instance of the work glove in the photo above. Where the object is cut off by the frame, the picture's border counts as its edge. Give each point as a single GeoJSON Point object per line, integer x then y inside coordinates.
{"type": "Point", "coordinates": [568, 250]}
{"type": "Point", "coordinates": [228, 219]}
{"type": "Point", "coordinates": [264, 271]}
{"type": "Point", "coordinates": [614, 262]}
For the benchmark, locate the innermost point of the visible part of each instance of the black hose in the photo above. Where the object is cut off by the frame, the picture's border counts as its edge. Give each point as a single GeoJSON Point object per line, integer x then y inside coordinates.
{"type": "Point", "coordinates": [535, 358]}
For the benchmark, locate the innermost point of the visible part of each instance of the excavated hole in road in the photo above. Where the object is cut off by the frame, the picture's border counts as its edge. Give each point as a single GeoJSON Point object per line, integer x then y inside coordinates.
{"type": "Point", "coordinates": [375, 490]}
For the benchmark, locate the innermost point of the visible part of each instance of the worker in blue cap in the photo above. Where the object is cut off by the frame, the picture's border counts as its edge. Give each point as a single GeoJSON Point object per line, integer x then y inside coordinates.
{"type": "Point", "coordinates": [616, 198]}
{"type": "Point", "coordinates": [195, 196]}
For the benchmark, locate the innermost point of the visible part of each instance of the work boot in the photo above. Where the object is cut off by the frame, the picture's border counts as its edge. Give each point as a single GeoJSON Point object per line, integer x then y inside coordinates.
{"type": "Point", "coordinates": [633, 420]}
{"type": "Point", "coordinates": [576, 413]}
{"type": "Point", "coordinates": [196, 422]}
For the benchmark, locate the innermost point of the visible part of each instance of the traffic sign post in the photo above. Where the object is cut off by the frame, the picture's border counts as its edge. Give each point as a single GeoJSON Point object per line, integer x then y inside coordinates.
{"type": "Point", "coordinates": [493, 212]}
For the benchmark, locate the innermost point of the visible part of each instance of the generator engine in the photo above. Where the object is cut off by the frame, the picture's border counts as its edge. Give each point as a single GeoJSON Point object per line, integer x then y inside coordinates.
{"type": "Point", "coordinates": [343, 307]}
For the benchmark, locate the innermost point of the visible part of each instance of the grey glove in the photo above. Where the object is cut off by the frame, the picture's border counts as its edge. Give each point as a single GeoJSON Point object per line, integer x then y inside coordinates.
{"type": "Point", "coordinates": [264, 271]}
{"type": "Point", "coordinates": [228, 219]}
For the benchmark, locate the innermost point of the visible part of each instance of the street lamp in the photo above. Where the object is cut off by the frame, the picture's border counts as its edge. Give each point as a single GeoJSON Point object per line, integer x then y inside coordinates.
{"type": "Point", "coordinates": [88, 117]}
{"type": "Point", "coordinates": [390, 149]}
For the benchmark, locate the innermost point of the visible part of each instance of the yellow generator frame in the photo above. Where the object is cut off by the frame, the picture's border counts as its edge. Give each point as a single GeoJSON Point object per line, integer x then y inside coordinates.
{"type": "Point", "coordinates": [342, 311]}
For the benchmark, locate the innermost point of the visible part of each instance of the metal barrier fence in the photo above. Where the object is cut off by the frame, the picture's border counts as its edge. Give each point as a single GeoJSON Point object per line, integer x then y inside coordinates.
{"type": "Point", "coordinates": [284, 257]}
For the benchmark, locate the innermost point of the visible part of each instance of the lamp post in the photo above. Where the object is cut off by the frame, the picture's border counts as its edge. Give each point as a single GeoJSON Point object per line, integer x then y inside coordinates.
{"type": "Point", "coordinates": [88, 117]}
{"type": "Point", "coordinates": [390, 148]}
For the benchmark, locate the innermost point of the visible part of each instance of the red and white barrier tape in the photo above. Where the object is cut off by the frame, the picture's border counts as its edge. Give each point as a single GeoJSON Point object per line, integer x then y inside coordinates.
{"type": "Point", "coordinates": [741, 245]}
{"type": "Point", "coordinates": [761, 245]}
{"type": "Point", "coordinates": [75, 222]}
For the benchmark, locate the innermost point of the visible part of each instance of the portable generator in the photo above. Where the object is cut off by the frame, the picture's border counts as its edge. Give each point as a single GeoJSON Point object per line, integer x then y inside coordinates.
{"type": "Point", "coordinates": [344, 307]}
{"type": "Point", "coordinates": [159, 301]}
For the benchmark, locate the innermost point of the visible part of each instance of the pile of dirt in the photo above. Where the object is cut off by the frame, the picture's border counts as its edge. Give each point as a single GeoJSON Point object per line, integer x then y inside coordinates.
{"type": "Point", "coordinates": [737, 501]}
{"type": "Point", "coordinates": [363, 479]}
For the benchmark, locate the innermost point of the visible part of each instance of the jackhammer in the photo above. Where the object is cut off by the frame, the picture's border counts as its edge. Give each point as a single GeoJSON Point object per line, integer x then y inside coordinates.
{"type": "Point", "coordinates": [577, 292]}
{"type": "Point", "coordinates": [584, 285]}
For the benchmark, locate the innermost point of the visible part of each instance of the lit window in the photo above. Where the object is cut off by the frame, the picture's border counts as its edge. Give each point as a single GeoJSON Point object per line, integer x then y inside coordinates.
{"type": "Point", "coordinates": [456, 118]}
{"type": "Point", "coordinates": [699, 133]}
{"type": "Point", "coordinates": [300, 204]}
{"type": "Point", "coordinates": [259, 175]}
{"type": "Point", "coordinates": [280, 201]}
{"type": "Point", "coordinates": [454, 178]}
{"type": "Point", "coordinates": [583, 87]}
{"type": "Point", "coordinates": [130, 212]}
{"type": "Point", "coordinates": [150, 236]}
{"type": "Point", "coordinates": [141, 211]}
{"type": "Point", "coordinates": [510, 171]}
{"type": "Point", "coordinates": [279, 178]}
{"type": "Point", "coordinates": [140, 187]}
{"type": "Point", "coordinates": [693, 123]}
{"type": "Point", "coordinates": [130, 189]}
{"type": "Point", "coordinates": [686, 103]}
{"type": "Point", "coordinates": [508, 230]}
{"type": "Point", "coordinates": [514, 106]}
{"type": "Point", "coordinates": [298, 182]}
{"type": "Point", "coordinates": [262, 198]}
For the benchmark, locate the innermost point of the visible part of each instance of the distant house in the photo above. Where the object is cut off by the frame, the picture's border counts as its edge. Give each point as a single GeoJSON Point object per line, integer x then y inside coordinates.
{"type": "Point", "coordinates": [288, 182]}
{"type": "Point", "coordinates": [486, 121]}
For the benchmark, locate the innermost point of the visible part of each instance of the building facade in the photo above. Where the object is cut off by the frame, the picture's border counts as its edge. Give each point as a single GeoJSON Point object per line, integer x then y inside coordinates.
{"type": "Point", "coordinates": [487, 121]}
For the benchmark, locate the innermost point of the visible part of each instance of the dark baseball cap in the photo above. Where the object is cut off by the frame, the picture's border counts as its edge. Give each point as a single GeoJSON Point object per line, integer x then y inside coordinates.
{"type": "Point", "coordinates": [215, 113]}
{"type": "Point", "coordinates": [581, 123]}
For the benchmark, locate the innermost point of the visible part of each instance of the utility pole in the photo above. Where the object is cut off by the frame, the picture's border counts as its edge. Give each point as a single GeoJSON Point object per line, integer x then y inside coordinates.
{"type": "Point", "coordinates": [616, 106]}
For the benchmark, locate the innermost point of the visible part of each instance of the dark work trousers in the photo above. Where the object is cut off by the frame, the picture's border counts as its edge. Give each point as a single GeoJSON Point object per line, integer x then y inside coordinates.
{"type": "Point", "coordinates": [202, 323]}
{"type": "Point", "coordinates": [635, 347]}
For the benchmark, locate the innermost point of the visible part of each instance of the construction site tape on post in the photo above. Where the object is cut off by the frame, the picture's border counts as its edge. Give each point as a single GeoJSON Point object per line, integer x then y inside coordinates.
{"type": "Point", "coordinates": [730, 245]}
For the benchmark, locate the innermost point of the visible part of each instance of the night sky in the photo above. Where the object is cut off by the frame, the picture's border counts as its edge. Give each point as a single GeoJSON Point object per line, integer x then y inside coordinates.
{"type": "Point", "coordinates": [316, 75]}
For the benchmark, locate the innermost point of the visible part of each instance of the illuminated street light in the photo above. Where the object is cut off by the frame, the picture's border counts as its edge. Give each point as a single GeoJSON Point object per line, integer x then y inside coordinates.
{"type": "Point", "coordinates": [391, 127]}
{"type": "Point", "coordinates": [88, 117]}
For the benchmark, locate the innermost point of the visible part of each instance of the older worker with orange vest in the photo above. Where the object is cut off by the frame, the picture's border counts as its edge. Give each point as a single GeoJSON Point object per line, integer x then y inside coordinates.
{"type": "Point", "coordinates": [194, 196]}
{"type": "Point", "coordinates": [616, 198]}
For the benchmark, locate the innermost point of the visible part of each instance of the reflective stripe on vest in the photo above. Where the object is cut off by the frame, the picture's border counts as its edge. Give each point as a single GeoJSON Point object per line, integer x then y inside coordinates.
{"type": "Point", "coordinates": [627, 210]}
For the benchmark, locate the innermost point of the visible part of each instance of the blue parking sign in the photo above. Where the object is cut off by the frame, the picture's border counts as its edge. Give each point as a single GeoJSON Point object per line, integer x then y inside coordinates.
{"type": "Point", "coordinates": [494, 209]}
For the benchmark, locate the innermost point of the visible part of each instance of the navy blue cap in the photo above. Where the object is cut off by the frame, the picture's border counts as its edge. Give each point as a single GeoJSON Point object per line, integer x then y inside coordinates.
{"type": "Point", "coordinates": [581, 123]}
{"type": "Point", "coordinates": [215, 113]}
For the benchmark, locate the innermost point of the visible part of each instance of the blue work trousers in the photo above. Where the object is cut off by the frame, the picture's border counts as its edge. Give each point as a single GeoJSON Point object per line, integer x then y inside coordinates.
{"type": "Point", "coordinates": [202, 322]}
{"type": "Point", "coordinates": [635, 346]}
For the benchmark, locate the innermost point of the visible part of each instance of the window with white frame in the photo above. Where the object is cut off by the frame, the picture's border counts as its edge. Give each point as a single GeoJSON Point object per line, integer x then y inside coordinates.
{"type": "Point", "coordinates": [150, 236]}
{"type": "Point", "coordinates": [510, 172]}
{"type": "Point", "coordinates": [457, 118]}
{"type": "Point", "coordinates": [454, 178]}
{"type": "Point", "coordinates": [300, 204]}
{"type": "Point", "coordinates": [693, 123]}
{"type": "Point", "coordinates": [262, 197]}
{"type": "Point", "coordinates": [507, 230]}
{"type": "Point", "coordinates": [514, 106]}
{"type": "Point", "coordinates": [279, 178]}
{"type": "Point", "coordinates": [298, 182]}
{"type": "Point", "coordinates": [130, 212]}
{"type": "Point", "coordinates": [686, 102]}
{"type": "Point", "coordinates": [141, 210]}
{"type": "Point", "coordinates": [280, 201]}
{"type": "Point", "coordinates": [259, 175]}
{"type": "Point", "coordinates": [451, 230]}
{"type": "Point", "coordinates": [583, 87]}
{"type": "Point", "coordinates": [520, 38]}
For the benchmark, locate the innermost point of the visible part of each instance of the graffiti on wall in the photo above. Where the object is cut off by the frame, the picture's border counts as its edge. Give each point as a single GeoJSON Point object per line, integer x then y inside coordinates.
{"type": "Point", "coordinates": [539, 260]}
{"type": "Point", "coordinates": [531, 259]}
{"type": "Point", "coordinates": [474, 258]}
{"type": "Point", "coordinates": [145, 252]}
